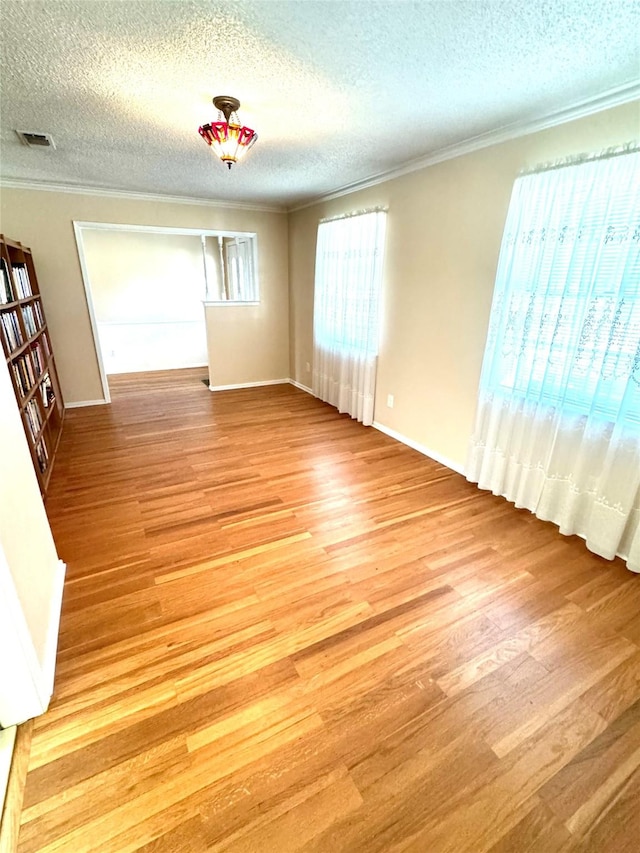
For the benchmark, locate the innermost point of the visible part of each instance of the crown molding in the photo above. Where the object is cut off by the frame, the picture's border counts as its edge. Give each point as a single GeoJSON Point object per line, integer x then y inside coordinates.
{"type": "Point", "coordinates": [19, 184]}
{"type": "Point", "coordinates": [613, 98]}
{"type": "Point", "coordinates": [607, 100]}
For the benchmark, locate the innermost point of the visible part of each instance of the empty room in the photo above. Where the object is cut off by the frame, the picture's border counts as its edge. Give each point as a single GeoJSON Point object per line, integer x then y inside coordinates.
{"type": "Point", "coordinates": [320, 426]}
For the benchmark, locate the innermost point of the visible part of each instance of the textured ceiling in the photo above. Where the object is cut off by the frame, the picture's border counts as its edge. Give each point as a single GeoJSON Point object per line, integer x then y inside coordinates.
{"type": "Point", "coordinates": [338, 91]}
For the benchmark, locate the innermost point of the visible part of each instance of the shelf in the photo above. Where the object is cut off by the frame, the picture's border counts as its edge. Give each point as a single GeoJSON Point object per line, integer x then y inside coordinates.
{"type": "Point", "coordinates": [18, 302]}
{"type": "Point", "coordinates": [20, 360]}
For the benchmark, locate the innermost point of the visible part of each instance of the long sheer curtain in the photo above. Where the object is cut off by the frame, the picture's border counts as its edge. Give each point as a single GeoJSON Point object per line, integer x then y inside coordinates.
{"type": "Point", "coordinates": [558, 423]}
{"type": "Point", "coordinates": [347, 312]}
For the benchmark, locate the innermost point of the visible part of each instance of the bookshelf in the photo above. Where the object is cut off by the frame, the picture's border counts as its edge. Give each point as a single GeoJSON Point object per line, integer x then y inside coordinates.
{"type": "Point", "coordinates": [27, 348]}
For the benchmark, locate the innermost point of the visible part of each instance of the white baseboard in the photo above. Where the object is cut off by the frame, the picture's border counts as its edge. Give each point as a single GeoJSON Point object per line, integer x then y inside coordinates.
{"type": "Point", "coordinates": [53, 629]}
{"type": "Point", "coordinates": [7, 742]}
{"type": "Point", "coordinates": [426, 451]}
{"type": "Point", "coordinates": [82, 403]}
{"type": "Point", "coordinates": [192, 366]}
{"type": "Point", "coordinates": [248, 385]}
{"type": "Point", "coordinates": [301, 387]}
{"type": "Point", "coordinates": [234, 387]}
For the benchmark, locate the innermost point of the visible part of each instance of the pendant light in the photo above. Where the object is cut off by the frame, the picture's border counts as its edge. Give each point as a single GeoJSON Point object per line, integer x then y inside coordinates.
{"type": "Point", "coordinates": [227, 137]}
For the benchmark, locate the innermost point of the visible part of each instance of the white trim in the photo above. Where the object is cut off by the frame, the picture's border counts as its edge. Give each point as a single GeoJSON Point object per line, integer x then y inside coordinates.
{"type": "Point", "coordinates": [80, 403]}
{"type": "Point", "coordinates": [249, 385]}
{"type": "Point", "coordinates": [426, 451]}
{"type": "Point", "coordinates": [84, 271]}
{"type": "Point", "coordinates": [53, 628]}
{"type": "Point", "coordinates": [21, 673]}
{"type": "Point", "coordinates": [211, 303]}
{"type": "Point", "coordinates": [613, 98]}
{"type": "Point", "coordinates": [301, 387]}
{"type": "Point", "coordinates": [27, 680]}
{"type": "Point", "coordinates": [7, 742]}
{"type": "Point", "coordinates": [163, 229]}
{"type": "Point", "coordinates": [25, 184]}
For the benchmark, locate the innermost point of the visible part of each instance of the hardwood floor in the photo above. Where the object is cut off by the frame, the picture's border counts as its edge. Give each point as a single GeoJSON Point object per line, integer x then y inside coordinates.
{"type": "Point", "coordinates": [283, 631]}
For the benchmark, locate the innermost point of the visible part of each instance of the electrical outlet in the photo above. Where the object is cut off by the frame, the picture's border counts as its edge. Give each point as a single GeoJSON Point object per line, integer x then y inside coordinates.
{"type": "Point", "coordinates": [308, 368]}
{"type": "Point", "coordinates": [390, 401]}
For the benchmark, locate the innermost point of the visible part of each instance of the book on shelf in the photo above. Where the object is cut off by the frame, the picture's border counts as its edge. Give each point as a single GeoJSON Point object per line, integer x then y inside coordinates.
{"type": "Point", "coordinates": [6, 292]}
{"type": "Point", "coordinates": [29, 318]}
{"type": "Point", "coordinates": [38, 358]}
{"type": "Point", "coordinates": [25, 374]}
{"type": "Point", "coordinates": [11, 328]}
{"type": "Point", "coordinates": [34, 418]}
{"type": "Point", "coordinates": [46, 390]}
{"type": "Point", "coordinates": [42, 455]}
{"type": "Point", "coordinates": [21, 281]}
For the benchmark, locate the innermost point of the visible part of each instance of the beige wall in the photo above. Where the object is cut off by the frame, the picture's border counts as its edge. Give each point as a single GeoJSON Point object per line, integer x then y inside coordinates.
{"type": "Point", "coordinates": [444, 230]}
{"type": "Point", "coordinates": [25, 535]}
{"type": "Point", "coordinates": [239, 352]}
{"type": "Point", "coordinates": [139, 276]}
{"type": "Point", "coordinates": [44, 221]}
{"type": "Point", "coordinates": [250, 343]}
{"type": "Point", "coordinates": [147, 290]}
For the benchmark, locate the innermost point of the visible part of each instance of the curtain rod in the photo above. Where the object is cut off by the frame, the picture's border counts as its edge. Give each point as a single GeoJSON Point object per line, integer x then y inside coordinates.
{"type": "Point", "coordinates": [587, 157]}
{"type": "Point", "coordinates": [355, 213]}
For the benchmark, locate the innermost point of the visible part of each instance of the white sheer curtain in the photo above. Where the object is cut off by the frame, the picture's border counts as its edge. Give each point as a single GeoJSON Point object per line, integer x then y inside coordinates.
{"type": "Point", "coordinates": [558, 423]}
{"type": "Point", "coordinates": [346, 312]}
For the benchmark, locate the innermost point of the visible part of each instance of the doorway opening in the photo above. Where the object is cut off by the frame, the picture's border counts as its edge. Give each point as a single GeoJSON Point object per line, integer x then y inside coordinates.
{"type": "Point", "coordinates": [145, 289]}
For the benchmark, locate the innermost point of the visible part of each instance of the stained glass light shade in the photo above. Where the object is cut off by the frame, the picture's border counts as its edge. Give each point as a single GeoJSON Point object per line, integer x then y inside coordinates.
{"type": "Point", "coordinates": [229, 140]}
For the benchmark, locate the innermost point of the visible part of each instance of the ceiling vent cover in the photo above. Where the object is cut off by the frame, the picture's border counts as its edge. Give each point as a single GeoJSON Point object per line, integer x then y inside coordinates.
{"type": "Point", "coordinates": [36, 140]}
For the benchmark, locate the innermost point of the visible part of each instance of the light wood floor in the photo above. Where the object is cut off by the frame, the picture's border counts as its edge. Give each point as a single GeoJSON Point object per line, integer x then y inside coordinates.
{"type": "Point", "coordinates": [283, 631]}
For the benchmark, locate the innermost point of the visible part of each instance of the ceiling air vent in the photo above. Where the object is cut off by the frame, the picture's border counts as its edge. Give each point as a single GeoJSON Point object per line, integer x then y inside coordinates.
{"type": "Point", "coordinates": [36, 140]}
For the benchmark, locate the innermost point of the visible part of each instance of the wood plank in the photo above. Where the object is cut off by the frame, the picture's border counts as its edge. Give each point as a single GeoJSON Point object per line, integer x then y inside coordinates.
{"type": "Point", "coordinates": [10, 817]}
{"type": "Point", "coordinates": [285, 631]}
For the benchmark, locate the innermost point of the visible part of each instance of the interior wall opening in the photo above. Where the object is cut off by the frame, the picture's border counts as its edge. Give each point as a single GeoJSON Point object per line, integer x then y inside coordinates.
{"type": "Point", "coordinates": [146, 288]}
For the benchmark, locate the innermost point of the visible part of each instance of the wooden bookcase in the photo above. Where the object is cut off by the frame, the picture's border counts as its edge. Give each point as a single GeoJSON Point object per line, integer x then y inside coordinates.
{"type": "Point", "coordinates": [27, 348]}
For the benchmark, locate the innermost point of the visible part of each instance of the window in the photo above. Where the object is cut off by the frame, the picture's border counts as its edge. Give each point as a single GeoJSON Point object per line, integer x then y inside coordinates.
{"type": "Point", "coordinates": [565, 326]}
{"type": "Point", "coordinates": [347, 312]}
{"type": "Point", "coordinates": [230, 267]}
{"type": "Point", "coordinates": [241, 278]}
{"type": "Point", "coordinates": [348, 276]}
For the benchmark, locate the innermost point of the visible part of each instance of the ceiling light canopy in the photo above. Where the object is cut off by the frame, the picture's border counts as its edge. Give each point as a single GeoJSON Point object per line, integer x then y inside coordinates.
{"type": "Point", "coordinates": [229, 139]}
